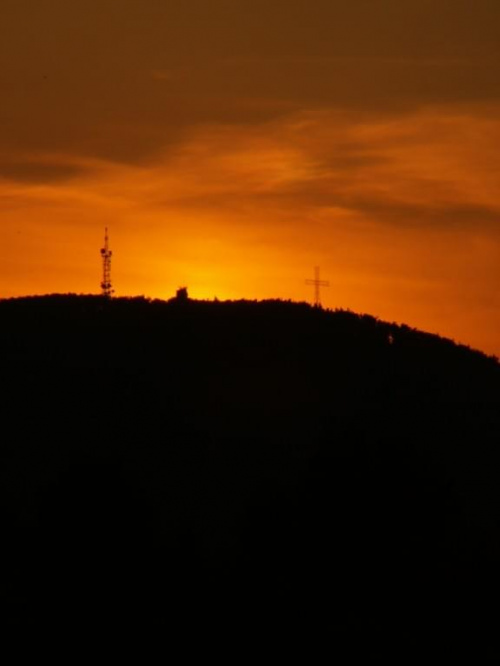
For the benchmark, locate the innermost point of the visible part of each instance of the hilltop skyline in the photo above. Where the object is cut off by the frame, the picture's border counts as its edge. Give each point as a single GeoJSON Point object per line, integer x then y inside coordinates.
{"type": "Point", "coordinates": [233, 146]}
{"type": "Point", "coordinates": [193, 467]}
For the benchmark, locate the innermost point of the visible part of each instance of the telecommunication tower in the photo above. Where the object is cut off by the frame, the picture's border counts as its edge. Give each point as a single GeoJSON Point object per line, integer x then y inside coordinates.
{"type": "Point", "coordinates": [317, 283]}
{"type": "Point", "coordinates": [106, 254]}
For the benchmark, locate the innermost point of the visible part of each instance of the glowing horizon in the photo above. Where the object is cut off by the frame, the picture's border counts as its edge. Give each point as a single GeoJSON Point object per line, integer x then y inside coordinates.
{"type": "Point", "coordinates": [231, 151]}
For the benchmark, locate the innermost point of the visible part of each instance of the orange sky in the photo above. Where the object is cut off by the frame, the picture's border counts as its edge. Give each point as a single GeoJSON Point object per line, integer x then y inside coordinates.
{"type": "Point", "coordinates": [233, 146]}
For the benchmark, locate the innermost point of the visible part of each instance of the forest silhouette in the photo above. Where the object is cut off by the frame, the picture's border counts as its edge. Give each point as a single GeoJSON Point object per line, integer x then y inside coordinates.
{"type": "Point", "coordinates": [253, 468]}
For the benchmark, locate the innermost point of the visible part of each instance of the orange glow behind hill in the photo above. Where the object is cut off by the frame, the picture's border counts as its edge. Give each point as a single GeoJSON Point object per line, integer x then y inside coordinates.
{"type": "Point", "coordinates": [406, 235]}
{"type": "Point", "coordinates": [232, 146]}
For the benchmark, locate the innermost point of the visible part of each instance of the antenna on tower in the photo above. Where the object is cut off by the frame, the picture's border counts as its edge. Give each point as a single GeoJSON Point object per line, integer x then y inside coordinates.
{"type": "Point", "coordinates": [106, 254]}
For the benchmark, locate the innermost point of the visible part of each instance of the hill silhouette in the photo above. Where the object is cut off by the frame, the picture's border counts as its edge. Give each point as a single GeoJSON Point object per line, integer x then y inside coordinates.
{"type": "Point", "coordinates": [253, 469]}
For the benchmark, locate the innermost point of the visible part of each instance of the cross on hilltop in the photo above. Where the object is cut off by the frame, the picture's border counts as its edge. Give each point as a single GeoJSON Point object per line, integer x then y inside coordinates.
{"type": "Point", "coordinates": [317, 283]}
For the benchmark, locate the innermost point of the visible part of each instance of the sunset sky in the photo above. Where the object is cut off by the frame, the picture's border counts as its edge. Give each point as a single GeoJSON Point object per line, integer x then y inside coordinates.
{"type": "Point", "coordinates": [232, 145]}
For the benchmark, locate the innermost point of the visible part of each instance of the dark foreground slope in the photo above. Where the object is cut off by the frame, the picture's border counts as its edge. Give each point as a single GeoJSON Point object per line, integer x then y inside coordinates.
{"type": "Point", "coordinates": [247, 470]}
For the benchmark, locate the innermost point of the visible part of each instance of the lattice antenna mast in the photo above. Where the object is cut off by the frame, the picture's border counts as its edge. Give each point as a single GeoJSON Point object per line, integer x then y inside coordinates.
{"type": "Point", "coordinates": [317, 283]}
{"type": "Point", "coordinates": [106, 254]}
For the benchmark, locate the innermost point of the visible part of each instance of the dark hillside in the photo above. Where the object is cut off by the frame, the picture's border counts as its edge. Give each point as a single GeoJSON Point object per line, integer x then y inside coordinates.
{"type": "Point", "coordinates": [250, 468]}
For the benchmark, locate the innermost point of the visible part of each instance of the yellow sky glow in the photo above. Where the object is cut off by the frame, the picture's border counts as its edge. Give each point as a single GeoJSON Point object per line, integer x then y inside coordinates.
{"type": "Point", "coordinates": [405, 230]}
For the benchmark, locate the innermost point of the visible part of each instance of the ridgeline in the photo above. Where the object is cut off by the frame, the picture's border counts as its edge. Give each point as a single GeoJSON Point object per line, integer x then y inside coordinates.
{"type": "Point", "coordinates": [263, 468]}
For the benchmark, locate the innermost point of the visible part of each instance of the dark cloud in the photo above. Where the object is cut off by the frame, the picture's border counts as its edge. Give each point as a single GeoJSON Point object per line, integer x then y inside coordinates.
{"type": "Point", "coordinates": [451, 217]}
{"type": "Point", "coordinates": [26, 171]}
{"type": "Point", "coordinates": [307, 198]}
{"type": "Point", "coordinates": [124, 79]}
